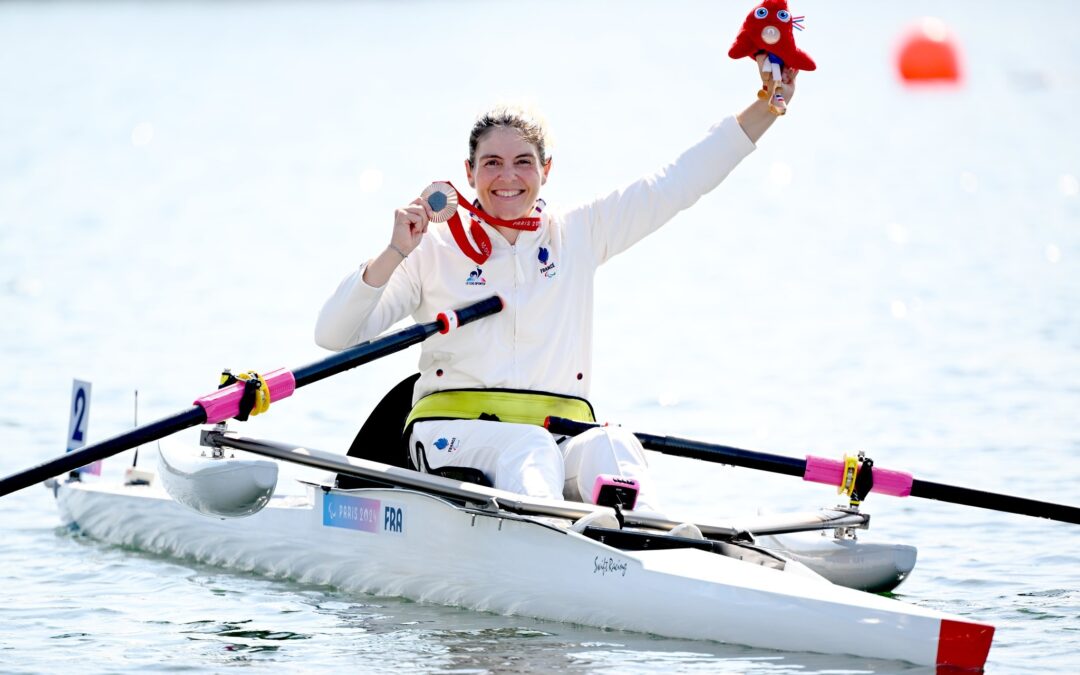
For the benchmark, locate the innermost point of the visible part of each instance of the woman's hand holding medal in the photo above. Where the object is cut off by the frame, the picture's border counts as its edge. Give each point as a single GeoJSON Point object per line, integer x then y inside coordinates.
{"type": "Point", "coordinates": [410, 225]}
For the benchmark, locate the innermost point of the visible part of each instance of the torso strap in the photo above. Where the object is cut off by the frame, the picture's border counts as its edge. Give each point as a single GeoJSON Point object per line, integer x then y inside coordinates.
{"type": "Point", "coordinates": [503, 405]}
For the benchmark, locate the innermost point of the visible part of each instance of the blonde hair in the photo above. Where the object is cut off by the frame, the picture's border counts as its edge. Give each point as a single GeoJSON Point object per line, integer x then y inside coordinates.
{"type": "Point", "coordinates": [529, 122]}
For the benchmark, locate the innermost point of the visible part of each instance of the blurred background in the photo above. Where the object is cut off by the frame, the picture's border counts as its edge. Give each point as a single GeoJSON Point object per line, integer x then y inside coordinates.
{"type": "Point", "coordinates": [182, 184]}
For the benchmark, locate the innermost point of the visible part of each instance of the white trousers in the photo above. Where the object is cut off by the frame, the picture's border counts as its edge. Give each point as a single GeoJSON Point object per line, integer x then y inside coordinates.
{"type": "Point", "coordinates": [526, 459]}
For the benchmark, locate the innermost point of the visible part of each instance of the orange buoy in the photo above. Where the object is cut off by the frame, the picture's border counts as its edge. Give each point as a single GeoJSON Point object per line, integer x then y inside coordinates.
{"type": "Point", "coordinates": [928, 54]}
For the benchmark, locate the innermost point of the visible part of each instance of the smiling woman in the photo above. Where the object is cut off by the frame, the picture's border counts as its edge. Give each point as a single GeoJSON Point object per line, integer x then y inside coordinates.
{"type": "Point", "coordinates": [483, 393]}
{"type": "Point", "coordinates": [509, 168]}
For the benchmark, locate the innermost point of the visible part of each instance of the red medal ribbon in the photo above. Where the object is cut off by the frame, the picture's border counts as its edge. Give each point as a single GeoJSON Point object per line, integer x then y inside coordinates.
{"type": "Point", "coordinates": [483, 242]}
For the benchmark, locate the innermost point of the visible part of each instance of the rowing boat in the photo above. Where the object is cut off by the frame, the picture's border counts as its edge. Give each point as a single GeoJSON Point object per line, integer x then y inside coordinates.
{"type": "Point", "coordinates": [437, 540]}
{"type": "Point", "coordinates": [400, 532]}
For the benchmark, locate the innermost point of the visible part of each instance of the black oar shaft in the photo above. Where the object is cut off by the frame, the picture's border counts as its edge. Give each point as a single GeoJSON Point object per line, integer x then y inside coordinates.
{"type": "Point", "coordinates": [682, 447]}
{"type": "Point", "coordinates": [395, 342]}
{"type": "Point", "coordinates": [995, 501]}
{"type": "Point", "coordinates": [196, 415]}
{"type": "Point", "coordinates": [792, 466]}
{"type": "Point", "coordinates": [711, 452]}
{"type": "Point", "coordinates": [363, 353]}
{"type": "Point", "coordinates": [148, 433]}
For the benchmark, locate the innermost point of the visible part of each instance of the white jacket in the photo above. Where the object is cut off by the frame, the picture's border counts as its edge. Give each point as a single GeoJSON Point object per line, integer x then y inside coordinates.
{"type": "Point", "coordinates": [542, 340]}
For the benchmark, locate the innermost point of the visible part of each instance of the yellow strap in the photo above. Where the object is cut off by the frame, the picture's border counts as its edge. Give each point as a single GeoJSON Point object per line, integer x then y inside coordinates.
{"type": "Point", "coordinates": [851, 470]}
{"type": "Point", "coordinates": [262, 394]}
{"type": "Point", "coordinates": [521, 407]}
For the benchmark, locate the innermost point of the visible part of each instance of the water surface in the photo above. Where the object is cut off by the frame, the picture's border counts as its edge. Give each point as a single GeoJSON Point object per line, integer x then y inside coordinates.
{"type": "Point", "coordinates": [182, 184]}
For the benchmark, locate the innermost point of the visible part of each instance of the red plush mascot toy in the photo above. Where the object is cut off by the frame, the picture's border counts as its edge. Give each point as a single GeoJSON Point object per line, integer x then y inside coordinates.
{"type": "Point", "coordinates": [767, 33]}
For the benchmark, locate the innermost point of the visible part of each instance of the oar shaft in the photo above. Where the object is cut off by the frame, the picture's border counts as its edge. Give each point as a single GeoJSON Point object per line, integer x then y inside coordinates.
{"type": "Point", "coordinates": [711, 452]}
{"type": "Point", "coordinates": [148, 433]}
{"type": "Point", "coordinates": [344, 360]}
{"type": "Point", "coordinates": [995, 501]}
{"type": "Point", "coordinates": [395, 342]}
{"type": "Point", "coordinates": [364, 353]}
{"type": "Point", "coordinates": [682, 447]}
{"type": "Point", "coordinates": [211, 407]}
{"type": "Point", "coordinates": [895, 483]}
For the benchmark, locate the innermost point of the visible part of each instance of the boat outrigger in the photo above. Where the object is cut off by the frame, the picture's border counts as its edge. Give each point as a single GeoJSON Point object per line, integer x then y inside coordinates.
{"type": "Point", "coordinates": [394, 531]}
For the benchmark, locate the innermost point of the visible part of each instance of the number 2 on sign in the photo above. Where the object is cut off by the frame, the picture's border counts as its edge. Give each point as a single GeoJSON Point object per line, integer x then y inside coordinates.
{"type": "Point", "coordinates": [80, 414]}
{"type": "Point", "coordinates": [80, 419]}
{"type": "Point", "coordinates": [78, 410]}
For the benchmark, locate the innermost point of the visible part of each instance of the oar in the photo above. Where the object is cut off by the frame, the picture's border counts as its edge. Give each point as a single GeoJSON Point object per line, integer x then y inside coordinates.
{"type": "Point", "coordinates": [831, 472]}
{"type": "Point", "coordinates": [225, 403]}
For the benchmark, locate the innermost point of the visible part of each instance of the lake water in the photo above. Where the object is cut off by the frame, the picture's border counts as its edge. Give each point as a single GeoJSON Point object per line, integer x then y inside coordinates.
{"type": "Point", "coordinates": [894, 270]}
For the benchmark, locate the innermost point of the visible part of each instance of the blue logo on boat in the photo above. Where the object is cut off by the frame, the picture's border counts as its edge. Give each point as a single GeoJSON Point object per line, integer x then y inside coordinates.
{"type": "Point", "coordinates": [352, 513]}
{"type": "Point", "coordinates": [359, 513]}
{"type": "Point", "coordinates": [543, 255]}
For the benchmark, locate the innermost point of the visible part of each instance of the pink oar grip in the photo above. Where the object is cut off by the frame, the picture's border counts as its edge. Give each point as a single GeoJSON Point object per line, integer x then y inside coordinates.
{"type": "Point", "coordinates": [831, 472]}
{"type": "Point", "coordinates": [225, 403]}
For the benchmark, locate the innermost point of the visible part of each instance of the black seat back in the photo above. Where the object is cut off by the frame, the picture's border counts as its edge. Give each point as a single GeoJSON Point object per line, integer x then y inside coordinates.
{"type": "Point", "coordinates": [380, 439]}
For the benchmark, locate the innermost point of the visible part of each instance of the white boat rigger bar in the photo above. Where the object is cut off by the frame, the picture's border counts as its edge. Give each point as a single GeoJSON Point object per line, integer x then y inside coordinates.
{"type": "Point", "coordinates": [500, 499]}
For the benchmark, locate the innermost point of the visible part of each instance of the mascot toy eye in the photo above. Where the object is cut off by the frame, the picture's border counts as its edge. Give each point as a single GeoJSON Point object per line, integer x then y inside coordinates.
{"type": "Point", "coordinates": [769, 31]}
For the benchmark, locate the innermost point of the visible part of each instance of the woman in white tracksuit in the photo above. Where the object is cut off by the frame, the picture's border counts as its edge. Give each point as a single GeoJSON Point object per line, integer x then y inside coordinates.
{"type": "Point", "coordinates": [544, 271]}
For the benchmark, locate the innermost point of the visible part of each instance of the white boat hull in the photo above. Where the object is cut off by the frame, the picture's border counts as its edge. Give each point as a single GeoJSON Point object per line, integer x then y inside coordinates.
{"type": "Point", "coordinates": [415, 545]}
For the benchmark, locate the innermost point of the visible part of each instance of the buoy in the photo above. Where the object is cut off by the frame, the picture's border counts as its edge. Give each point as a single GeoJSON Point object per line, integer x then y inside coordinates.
{"type": "Point", "coordinates": [929, 54]}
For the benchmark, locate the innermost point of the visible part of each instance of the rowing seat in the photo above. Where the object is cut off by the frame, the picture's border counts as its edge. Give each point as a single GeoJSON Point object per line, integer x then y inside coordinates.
{"type": "Point", "coordinates": [380, 439]}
